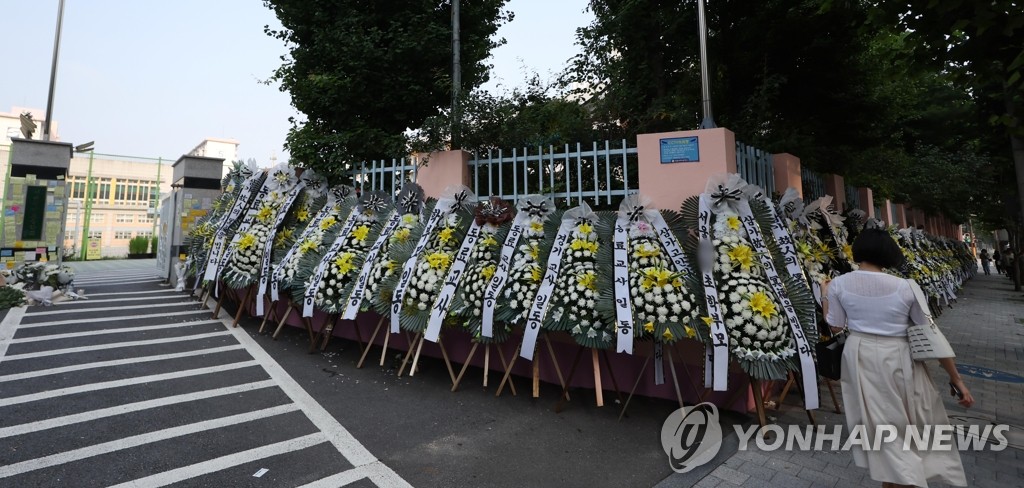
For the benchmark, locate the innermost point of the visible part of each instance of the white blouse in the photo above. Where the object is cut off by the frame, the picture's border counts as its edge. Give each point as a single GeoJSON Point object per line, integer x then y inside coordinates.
{"type": "Point", "coordinates": [873, 303]}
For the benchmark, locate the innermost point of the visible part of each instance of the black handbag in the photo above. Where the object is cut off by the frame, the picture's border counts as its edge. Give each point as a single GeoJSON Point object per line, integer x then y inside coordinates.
{"type": "Point", "coordinates": [830, 356]}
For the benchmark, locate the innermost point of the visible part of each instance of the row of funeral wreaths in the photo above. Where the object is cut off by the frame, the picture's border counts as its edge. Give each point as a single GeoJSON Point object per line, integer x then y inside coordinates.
{"type": "Point", "coordinates": [733, 269]}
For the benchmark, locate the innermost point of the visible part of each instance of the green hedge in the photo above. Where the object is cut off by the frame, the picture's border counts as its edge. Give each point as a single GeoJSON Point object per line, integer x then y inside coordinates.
{"type": "Point", "coordinates": [138, 245]}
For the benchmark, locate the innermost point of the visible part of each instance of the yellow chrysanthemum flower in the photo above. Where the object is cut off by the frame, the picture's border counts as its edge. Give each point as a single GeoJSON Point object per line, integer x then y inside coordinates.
{"type": "Point", "coordinates": [742, 255]}
{"type": "Point", "coordinates": [328, 222]}
{"type": "Point", "coordinates": [282, 238]}
{"type": "Point", "coordinates": [308, 245]}
{"type": "Point", "coordinates": [246, 242]}
{"type": "Point", "coordinates": [690, 332]}
{"type": "Point", "coordinates": [265, 213]}
{"type": "Point", "coordinates": [489, 241]}
{"type": "Point", "coordinates": [302, 215]}
{"type": "Point", "coordinates": [762, 304]}
{"type": "Point", "coordinates": [733, 222]}
{"type": "Point", "coordinates": [657, 277]}
{"type": "Point", "coordinates": [402, 235]}
{"type": "Point", "coordinates": [534, 251]}
{"type": "Point", "coordinates": [389, 265]}
{"type": "Point", "coordinates": [646, 250]}
{"type": "Point", "coordinates": [439, 260]}
{"type": "Point", "coordinates": [344, 263]}
{"type": "Point", "coordinates": [360, 233]}
{"type": "Point", "coordinates": [535, 274]}
{"type": "Point", "coordinates": [445, 235]}
{"type": "Point", "coordinates": [588, 279]}
{"type": "Point", "coordinates": [582, 245]}
{"type": "Point", "coordinates": [848, 251]}
{"type": "Point", "coordinates": [649, 327]}
{"type": "Point", "coordinates": [488, 272]}
{"type": "Point", "coordinates": [668, 334]}
{"type": "Point", "coordinates": [537, 226]}
{"type": "Point", "coordinates": [585, 228]}
{"type": "Point", "coordinates": [707, 320]}
{"type": "Point", "coordinates": [409, 219]}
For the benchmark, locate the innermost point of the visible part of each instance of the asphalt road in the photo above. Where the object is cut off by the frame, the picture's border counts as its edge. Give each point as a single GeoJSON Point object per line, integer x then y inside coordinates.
{"type": "Point", "coordinates": [139, 386]}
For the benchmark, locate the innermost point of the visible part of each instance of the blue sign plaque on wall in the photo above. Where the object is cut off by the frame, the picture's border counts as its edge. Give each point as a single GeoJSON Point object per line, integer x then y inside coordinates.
{"type": "Point", "coordinates": [680, 150]}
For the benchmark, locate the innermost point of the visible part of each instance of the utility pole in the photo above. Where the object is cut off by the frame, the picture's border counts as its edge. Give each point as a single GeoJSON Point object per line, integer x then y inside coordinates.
{"type": "Point", "coordinates": [705, 83]}
{"type": "Point", "coordinates": [456, 78]}
{"type": "Point", "coordinates": [53, 73]}
{"type": "Point", "coordinates": [89, 190]}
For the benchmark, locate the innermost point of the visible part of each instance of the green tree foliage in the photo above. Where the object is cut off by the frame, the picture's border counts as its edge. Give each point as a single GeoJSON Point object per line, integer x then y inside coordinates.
{"type": "Point", "coordinates": [362, 72]}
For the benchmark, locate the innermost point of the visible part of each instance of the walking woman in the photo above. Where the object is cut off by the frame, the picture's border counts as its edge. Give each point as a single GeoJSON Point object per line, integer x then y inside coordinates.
{"type": "Point", "coordinates": [882, 385]}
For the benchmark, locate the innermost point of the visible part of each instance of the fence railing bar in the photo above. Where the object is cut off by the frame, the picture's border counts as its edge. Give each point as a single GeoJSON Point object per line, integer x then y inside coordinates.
{"type": "Point", "coordinates": [501, 174]}
{"type": "Point", "coordinates": [568, 177]}
{"type": "Point", "coordinates": [579, 173]}
{"type": "Point", "coordinates": [540, 170]}
{"type": "Point", "coordinates": [476, 175]}
{"type": "Point", "coordinates": [515, 173]}
{"type": "Point", "coordinates": [551, 167]}
{"type": "Point", "coordinates": [490, 170]}
{"type": "Point", "coordinates": [526, 172]}
{"type": "Point", "coordinates": [597, 197]}
{"type": "Point", "coordinates": [625, 168]}
{"type": "Point", "coordinates": [608, 171]}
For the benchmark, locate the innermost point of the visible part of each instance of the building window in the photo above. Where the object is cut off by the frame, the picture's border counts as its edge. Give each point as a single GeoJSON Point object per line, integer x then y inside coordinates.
{"type": "Point", "coordinates": [97, 218]}
{"type": "Point", "coordinates": [124, 218]}
{"type": "Point", "coordinates": [78, 189]}
{"type": "Point", "coordinates": [145, 219]}
{"type": "Point", "coordinates": [95, 234]}
{"type": "Point", "coordinates": [122, 234]}
{"type": "Point", "coordinates": [104, 190]}
{"type": "Point", "coordinates": [144, 233]}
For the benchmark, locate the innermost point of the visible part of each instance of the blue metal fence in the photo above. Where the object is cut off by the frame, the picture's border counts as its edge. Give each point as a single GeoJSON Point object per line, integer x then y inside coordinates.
{"type": "Point", "coordinates": [755, 166]}
{"type": "Point", "coordinates": [813, 184]}
{"type": "Point", "coordinates": [568, 174]}
{"type": "Point", "coordinates": [852, 197]}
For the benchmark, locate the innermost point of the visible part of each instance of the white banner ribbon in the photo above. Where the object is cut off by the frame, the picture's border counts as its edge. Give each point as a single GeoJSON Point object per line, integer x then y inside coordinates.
{"type": "Point", "coordinates": [659, 364]}
{"type": "Point", "coordinates": [268, 250]}
{"type": "Point", "coordinates": [247, 223]}
{"type": "Point", "coordinates": [497, 283]}
{"type": "Point", "coordinates": [441, 210]}
{"type": "Point", "coordinates": [670, 243]}
{"type": "Point", "coordinates": [444, 299]}
{"type": "Point", "coordinates": [225, 222]}
{"type": "Point", "coordinates": [807, 367]}
{"type": "Point", "coordinates": [279, 270]}
{"type": "Point", "coordinates": [309, 298]}
{"type": "Point", "coordinates": [355, 300]}
{"type": "Point", "coordinates": [540, 301]}
{"type": "Point", "coordinates": [623, 303]}
{"type": "Point", "coordinates": [716, 366]}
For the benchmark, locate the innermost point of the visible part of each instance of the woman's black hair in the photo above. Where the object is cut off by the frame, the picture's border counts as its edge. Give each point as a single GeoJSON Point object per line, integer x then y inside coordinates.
{"type": "Point", "coordinates": [877, 247]}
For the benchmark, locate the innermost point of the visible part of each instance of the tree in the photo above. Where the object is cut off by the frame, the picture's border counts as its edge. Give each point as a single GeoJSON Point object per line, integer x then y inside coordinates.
{"type": "Point", "coordinates": [362, 72]}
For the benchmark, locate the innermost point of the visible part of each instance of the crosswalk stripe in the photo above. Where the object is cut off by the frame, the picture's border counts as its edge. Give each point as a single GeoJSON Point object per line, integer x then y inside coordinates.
{"type": "Point", "coordinates": [8, 327]}
{"type": "Point", "coordinates": [117, 293]}
{"type": "Point", "coordinates": [108, 309]}
{"type": "Point", "coordinates": [120, 300]}
{"type": "Point", "coordinates": [224, 462]}
{"type": "Point", "coordinates": [121, 330]}
{"type": "Point", "coordinates": [105, 385]}
{"type": "Point", "coordinates": [340, 479]}
{"type": "Point", "coordinates": [117, 362]}
{"type": "Point", "coordinates": [110, 319]}
{"type": "Point", "coordinates": [130, 407]}
{"type": "Point", "coordinates": [141, 439]}
{"type": "Point", "coordinates": [115, 345]}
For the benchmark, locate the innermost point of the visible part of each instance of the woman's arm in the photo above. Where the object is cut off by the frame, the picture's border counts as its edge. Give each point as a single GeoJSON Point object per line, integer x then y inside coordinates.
{"type": "Point", "coordinates": [824, 307]}
{"type": "Point", "coordinates": [949, 364]}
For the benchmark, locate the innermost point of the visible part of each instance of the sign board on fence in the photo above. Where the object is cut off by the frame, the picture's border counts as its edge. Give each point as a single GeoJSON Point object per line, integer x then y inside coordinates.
{"type": "Point", "coordinates": [680, 150]}
{"type": "Point", "coordinates": [93, 250]}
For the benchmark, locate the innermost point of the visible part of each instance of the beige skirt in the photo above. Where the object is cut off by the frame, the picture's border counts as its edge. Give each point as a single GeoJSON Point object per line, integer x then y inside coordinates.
{"type": "Point", "coordinates": [882, 385]}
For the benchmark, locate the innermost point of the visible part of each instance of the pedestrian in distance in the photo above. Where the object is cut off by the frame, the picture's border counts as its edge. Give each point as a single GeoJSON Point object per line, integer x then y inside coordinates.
{"type": "Point", "coordinates": [997, 260]}
{"type": "Point", "coordinates": [985, 261]}
{"type": "Point", "coordinates": [882, 385]}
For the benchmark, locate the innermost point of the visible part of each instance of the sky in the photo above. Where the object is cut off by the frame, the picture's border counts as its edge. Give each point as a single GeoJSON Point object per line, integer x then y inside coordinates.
{"type": "Point", "coordinates": [154, 78]}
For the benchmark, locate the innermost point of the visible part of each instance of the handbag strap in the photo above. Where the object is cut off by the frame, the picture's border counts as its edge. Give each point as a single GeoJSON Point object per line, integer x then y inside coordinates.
{"type": "Point", "coordinates": [921, 300]}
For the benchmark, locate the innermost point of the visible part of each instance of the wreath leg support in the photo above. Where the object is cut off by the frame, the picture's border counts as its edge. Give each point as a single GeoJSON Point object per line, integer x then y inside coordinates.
{"type": "Point", "coordinates": [565, 389]}
{"type": "Point", "coordinates": [558, 369]}
{"type": "Point", "coordinates": [508, 371]}
{"type": "Point", "coordinates": [465, 366]}
{"type": "Point", "coordinates": [636, 384]}
{"type": "Point", "coordinates": [242, 306]}
{"type": "Point", "coordinates": [366, 351]}
{"type": "Point", "coordinates": [269, 316]}
{"type": "Point", "coordinates": [280, 324]}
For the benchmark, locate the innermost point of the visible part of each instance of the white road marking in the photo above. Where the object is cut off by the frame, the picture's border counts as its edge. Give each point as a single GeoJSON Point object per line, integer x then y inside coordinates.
{"type": "Point", "coordinates": [111, 331]}
{"type": "Point", "coordinates": [105, 385]}
{"type": "Point", "coordinates": [116, 345]}
{"type": "Point", "coordinates": [341, 479]}
{"type": "Point", "coordinates": [141, 439]}
{"type": "Point", "coordinates": [109, 309]}
{"type": "Point", "coordinates": [117, 283]}
{"type": "Point", "coordinates": [338, 435]}
{"type": "Point", "coordinates": [117, 362]}
{"type": "Point", "coordinates": [224, 462]}
{"type": "Point", "coordinates": [8, 327]}
{"type": "Point", "coordinates": [130, 407]}
{"type": "Point", "coordinates": [121, 300]}
{"type": "Point", "coordinates": [110, 319]}
{"type": "Point", "coordinates": [116, 293]}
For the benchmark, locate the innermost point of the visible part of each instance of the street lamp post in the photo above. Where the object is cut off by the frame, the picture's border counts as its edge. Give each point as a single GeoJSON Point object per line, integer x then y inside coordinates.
{"type": "Point", "coordinates": [705, 82]}
{"type": "Point", "coordinates": [53, 72]}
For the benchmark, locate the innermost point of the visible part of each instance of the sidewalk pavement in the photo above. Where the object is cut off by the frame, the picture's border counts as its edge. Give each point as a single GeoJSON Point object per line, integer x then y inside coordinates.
{"type": "Point", "coordinates": [986, 329]}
